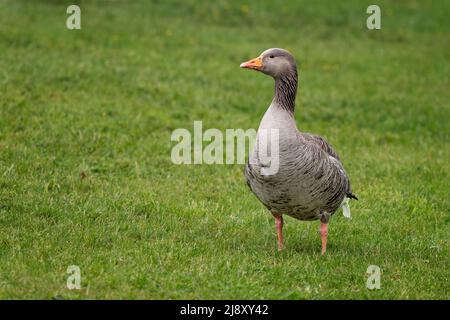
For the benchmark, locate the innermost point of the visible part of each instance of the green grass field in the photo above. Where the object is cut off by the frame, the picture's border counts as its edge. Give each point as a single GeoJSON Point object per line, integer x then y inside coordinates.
{"type": "Point", "coordinates": [86, 176]}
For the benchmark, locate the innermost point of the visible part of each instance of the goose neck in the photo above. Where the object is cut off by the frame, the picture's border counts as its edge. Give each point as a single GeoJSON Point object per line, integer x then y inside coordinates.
{"type": "Point", "coordinates": [286, 91]}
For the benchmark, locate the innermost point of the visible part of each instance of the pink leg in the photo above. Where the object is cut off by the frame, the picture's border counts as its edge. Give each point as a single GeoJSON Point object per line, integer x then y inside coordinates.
{"type": "Point", "coordinates": [323, 235]}
{"type": "Point", "coordinates": [279, 226]}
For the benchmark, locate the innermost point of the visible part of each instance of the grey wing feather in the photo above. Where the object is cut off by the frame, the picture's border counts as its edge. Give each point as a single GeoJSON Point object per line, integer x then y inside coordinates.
{"type": "Point", "coordinates": [321, 143]}
{"type": "Point", "coordinates": [325, 146]}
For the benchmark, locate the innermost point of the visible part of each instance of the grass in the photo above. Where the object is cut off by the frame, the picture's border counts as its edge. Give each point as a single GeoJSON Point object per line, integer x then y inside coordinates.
{"type": "Point", "coordinates": [85, 170]}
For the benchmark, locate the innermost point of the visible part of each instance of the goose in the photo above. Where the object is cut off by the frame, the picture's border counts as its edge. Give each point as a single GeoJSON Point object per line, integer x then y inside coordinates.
{"type": "Point", "coordinates": [309, 182]}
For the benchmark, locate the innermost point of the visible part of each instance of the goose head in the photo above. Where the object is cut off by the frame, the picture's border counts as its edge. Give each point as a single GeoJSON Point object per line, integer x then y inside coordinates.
{"type": "Point", "coordinates": [274, 62]}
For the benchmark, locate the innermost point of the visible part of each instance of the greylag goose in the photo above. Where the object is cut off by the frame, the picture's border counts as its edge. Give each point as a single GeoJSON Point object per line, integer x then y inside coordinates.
{"type": "Point", "coordinates": [309, 182]}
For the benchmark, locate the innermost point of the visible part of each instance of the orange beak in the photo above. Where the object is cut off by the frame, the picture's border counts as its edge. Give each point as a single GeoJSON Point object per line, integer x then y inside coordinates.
{"type": "Point", "coordinates": [255, 64]}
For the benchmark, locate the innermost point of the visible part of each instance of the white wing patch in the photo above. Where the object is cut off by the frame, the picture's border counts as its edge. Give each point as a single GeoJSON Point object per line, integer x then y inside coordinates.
{"type": "Point", "coordinates": [346, 208]}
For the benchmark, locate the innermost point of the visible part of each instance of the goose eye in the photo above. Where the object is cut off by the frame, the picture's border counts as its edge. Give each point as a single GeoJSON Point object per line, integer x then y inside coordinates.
{"type": "Point", "coordinates": [271, 57]}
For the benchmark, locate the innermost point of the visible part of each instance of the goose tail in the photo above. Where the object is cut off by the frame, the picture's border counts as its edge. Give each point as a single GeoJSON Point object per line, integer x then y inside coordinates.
{"type": "Point", "coordinates": [352, 196]}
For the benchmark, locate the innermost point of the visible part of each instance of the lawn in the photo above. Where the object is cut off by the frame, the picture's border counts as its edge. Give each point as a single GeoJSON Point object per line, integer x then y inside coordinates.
{"type": "Point", "coordinates": [86, 176]}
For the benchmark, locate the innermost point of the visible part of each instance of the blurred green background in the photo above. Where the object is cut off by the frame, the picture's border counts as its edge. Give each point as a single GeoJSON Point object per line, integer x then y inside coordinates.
{"type": "Point", "coordinates": [85, 171]}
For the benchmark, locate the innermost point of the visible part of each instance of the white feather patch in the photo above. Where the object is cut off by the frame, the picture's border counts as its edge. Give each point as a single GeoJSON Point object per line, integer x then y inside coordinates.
{"type": "Point", "coordinates": [346, 208]}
